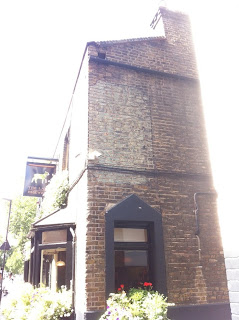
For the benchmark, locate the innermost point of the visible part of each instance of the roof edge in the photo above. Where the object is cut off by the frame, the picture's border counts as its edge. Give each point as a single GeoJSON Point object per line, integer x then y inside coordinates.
{"type": "Point", "coordinates": [45, 217]}
{"type": "Point", "coordinates": [98, 43]}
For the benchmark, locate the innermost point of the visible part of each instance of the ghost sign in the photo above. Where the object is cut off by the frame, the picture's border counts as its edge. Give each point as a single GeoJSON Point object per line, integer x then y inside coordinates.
{"type": "Point", "coordinates": [37, 177]}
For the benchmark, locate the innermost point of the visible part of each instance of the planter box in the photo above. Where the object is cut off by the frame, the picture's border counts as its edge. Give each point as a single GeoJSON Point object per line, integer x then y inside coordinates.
{"type": "Point", "coordinates": [72, 317]}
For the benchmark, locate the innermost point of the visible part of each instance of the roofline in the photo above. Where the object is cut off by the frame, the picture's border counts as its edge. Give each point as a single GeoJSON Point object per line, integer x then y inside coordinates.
{"type": "Point", "coordinates": [54, 226]}
{"type": "Point", "coordinates": [98, 43]}
{"type": "Point", "coordinates": [45, 217]}
{"type": "Point", "coordinates": [130, 40]}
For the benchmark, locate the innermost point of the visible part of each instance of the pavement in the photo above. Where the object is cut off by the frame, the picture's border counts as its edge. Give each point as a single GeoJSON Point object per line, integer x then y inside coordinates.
{"type": "Point", "coordinates": [4, 303]}
{"type": "Point", "coordinates": [13, 288]}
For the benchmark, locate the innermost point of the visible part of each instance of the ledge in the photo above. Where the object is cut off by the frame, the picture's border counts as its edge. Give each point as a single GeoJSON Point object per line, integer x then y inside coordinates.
{"type": "Point", "coordinates": [140, 69]}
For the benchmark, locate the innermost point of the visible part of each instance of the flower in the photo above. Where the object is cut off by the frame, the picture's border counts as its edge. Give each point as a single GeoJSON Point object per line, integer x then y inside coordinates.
{"type": "Point", "coordinates": [147, 284]}
{"type": "Point", "coordinates": [122, 286]}
{"type": "Point", "coordinates": [40, 304]}
{"type": "Point", "coordinates": [136, 304]}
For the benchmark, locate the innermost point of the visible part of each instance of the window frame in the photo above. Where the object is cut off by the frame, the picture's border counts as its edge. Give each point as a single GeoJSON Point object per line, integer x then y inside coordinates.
{"type": "Point", "coordinates": [53, 251]}
{"type": "Point", "coordinates": [137, 246]}
{"type": "Point", "coordinates": [133, 212]}
{"type": "Point", "coordinates": [66, 151]}
{"type": "Point", "coordinates": [38, 246]}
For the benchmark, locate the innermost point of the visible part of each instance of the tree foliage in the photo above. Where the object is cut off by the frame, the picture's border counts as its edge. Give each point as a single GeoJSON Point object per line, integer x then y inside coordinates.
{"type": "Point", "coordinates": [23, 214]}
{"type": "Point", "coordinates": [15, 261]}
{"type": "Point", "coordinates": [24, 211]}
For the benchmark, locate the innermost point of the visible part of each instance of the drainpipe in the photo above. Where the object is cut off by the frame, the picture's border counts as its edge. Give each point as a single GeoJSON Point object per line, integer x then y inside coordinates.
{"type": "Point", "coordinates": [73, 268]}
{"type": "Point", "coordinates": [197, 233]}
{"type": "Point", "coordinates": [34, 261]}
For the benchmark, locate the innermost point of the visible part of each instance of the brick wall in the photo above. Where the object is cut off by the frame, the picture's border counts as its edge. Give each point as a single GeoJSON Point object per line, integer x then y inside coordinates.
{"type": "Point", "coordinates": [189, 279]}
{"type": "Point", "coordinates": [145, 118]}
{"type": "Point", "coordinates": [146, 121]}
{"type": "Point", "coordinates": [173, 54]}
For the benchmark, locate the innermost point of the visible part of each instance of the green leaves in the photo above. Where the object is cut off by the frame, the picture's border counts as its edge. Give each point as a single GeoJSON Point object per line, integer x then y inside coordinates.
{"type": "Point", "coordinates": [137, 304]}
{"type": "Point", "coordinates": [24, 211]}
{"type": "Point", "coordinates": [56, 192]}
{"type": "Point", "coordinates": [23, 214]}
{"type": "Point", "coordinates": [15, 261]}
{"type": "Point", "coordinates": [39, 304]}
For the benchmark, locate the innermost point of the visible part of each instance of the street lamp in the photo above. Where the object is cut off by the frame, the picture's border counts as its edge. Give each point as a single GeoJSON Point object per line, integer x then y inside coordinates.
{"type": "Point", "coordinates": [5, 246]}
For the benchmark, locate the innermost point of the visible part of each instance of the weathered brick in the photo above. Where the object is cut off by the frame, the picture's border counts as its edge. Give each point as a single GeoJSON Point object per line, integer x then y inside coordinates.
{"type": "Point", "coordinates": [147, 123]}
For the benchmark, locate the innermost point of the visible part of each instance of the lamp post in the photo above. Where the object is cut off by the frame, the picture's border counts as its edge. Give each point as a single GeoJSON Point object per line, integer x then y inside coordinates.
{"type": "Point", "coordinates": [5, 246]}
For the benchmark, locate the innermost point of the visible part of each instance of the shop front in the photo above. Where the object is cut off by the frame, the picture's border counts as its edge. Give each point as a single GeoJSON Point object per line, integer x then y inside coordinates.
{"type": "Point", "coordinates": [52, 251]}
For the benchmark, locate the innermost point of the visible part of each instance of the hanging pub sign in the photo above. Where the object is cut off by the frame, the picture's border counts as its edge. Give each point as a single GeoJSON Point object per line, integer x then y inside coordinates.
{"type": "Point", "coordinates": [37, 177]}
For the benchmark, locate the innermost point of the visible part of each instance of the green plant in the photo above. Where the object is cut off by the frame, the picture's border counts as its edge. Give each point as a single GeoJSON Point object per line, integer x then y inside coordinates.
{"type": "Point", "coordinates": [39, 304]}
{"type": "Point", "coordinates": [56, 192]}
{"type": "Point", "coordinates": [23, 214]}
{"type": "Point", "coordinates": [15, 260]}
{"type": "Point", "coordinates": [136, 304]}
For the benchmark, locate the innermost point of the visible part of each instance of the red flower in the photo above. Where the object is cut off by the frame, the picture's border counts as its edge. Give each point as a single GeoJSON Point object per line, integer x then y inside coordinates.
{"type": "Point", "coordinates": [119, 289]}
{"type": "Point", "coordinates": [147, 284]}
{"type": "Point", "coordinates": [122, 286]}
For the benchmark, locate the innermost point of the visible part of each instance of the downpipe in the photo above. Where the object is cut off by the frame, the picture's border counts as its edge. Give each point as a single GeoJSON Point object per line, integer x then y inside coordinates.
{"type": "Point", "coordinates": [196, 212]}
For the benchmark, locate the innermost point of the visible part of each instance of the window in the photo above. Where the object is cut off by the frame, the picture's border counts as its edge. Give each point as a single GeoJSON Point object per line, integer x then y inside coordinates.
{"type": "Point", "coordinates": [51, 261]}
{"type": "Point", "coordinates": [65, 160]}
{"type": "Point", "coordinates": [53, 268]}
{"type": "Point", "coordinates": [130, 235]}
{"type": "Point", "coordinates": [134, 246]}
{"type": "Point", "coordinates": [54, 236]}
{"type": "Point", "coordinates": [131, 257]}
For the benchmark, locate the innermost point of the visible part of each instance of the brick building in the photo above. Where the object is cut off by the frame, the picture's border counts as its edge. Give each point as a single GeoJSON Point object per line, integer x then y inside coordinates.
{"type": "Point", "coordinates": [141, 186]}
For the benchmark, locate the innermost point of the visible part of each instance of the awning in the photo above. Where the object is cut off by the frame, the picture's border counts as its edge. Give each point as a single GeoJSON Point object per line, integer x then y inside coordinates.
{"type": "Point", "coordinates": [59, 217]}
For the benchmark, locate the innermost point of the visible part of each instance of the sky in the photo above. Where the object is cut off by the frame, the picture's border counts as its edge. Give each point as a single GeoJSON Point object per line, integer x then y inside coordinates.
{"type": "Point", "coordinates": [41, 49]}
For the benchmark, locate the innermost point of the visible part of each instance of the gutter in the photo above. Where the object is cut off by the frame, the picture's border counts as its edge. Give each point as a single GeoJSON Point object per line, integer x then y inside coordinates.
{"type": "Point", "coordinates": [140, 69]}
